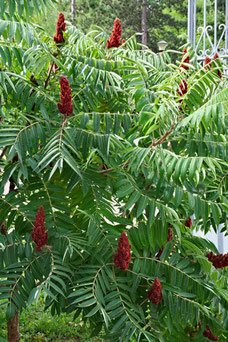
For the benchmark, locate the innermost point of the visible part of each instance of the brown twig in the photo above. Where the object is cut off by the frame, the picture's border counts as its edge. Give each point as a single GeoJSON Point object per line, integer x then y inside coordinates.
{"type": "Point", "coordinates": [125, 165]}
{"type": "Point", "coordinates": [64, 120]}
{"type": "Point", "coordinates": [49, 74]}
{"type": "Point", "coordinates": [149, 186]}
{"type": "Point", "coordinates": [160, 141]}
{"type": "Point", "coordinates": [106, 170]}
{"type": "Point", "coordinates": [143, 302]}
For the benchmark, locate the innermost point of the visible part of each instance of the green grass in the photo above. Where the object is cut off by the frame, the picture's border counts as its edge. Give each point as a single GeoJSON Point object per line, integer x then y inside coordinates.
{"type": "Point", "coordinates": [40, 326]}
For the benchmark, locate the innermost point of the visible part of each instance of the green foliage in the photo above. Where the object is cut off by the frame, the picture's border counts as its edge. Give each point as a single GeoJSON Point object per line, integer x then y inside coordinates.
{"type": "Point", "coordinates": [39, 325]}
{"type": "Point", "coordinates": [27, 7]}
{"type": "Point", "coordinates": [93, 13]}
{"type": "Point", "coordinates": [166, 19]}
{"type": "Point", "coordinates": [133, 156]}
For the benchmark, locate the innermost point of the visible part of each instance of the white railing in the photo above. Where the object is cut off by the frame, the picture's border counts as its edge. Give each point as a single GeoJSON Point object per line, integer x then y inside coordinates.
{"type": "Point", "coordinates": [208, 39]}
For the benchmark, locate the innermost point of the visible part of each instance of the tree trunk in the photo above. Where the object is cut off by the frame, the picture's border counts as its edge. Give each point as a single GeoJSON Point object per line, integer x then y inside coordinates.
{"type": "Point", "coordinates": [73, 9]}
{"type": "Point", "coordinates": [13, 329]}
{"type": "Point", "coordinates": [140, 15]}
{"type": "Point", "coordinates": [144, 28]}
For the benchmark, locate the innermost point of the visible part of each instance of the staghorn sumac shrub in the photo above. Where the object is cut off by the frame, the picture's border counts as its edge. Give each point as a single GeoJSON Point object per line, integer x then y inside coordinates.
{"type": "Point", "coordinates": [120, 173]}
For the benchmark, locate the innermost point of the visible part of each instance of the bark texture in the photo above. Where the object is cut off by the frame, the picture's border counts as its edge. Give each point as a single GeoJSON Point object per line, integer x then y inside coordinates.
{"type": "Point", "coordinates": [73, 6]}
{"type": "Point", "coordinates": [13, 329]}
{"type": "Point", "coordinates": [140, 15]}
{"type": "Point", "coordinates": [144, 26]}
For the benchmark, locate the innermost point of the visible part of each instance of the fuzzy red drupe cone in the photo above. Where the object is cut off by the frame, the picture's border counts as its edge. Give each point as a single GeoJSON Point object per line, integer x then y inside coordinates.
{"type": "Point", "coordinates": [123, 256]}
{"type": "Point", "coordinates": [218, 261]}
{"type": "Point", "coordinates": [207, 333]}
{"type": "Point", "coordinates": [186, 60]}
{"type": "Point", "coordinates": [38, 234]}
{"type": "Point", "coordinates": [60, 27]}
{"type": "Point", "coordinates": [207, 62]}
{"type": "Point", "coordinates": [183, 88]}
{"type": "Point", "coordinates": [214, 59]}
{"type": "Point", "coordinates": [65, 107]}
{"type": "Point", "coordinates": [114, 39]}
{"type": "Point", "coordinates": [188, 222]}
{"type": "Point", "coordinates": [155, 294]}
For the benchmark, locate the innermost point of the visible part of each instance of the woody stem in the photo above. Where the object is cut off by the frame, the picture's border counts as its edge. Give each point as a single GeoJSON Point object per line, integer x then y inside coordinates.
{"type": "Point", "coordinates": [49, 74]}
{"type": "Point", "coordinates": [160, 141]}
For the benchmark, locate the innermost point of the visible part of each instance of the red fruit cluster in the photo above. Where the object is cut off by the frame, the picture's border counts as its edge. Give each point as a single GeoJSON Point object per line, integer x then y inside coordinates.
{"type": "Point", "coordinates": [218, 261]}
{"type": "Point", "coordinates": [186, 60]}
{"type": "Point", "coordinates": [207, 333]}
{"type": "Point", "coordinates": [155, 294]}
{"type": "Point", "coordinates": [183, 88]}
{"type": "Point", "coordinates": [207, 62]}
{"type": "Point", "coordinates": [38, 234]}
{"type": "Point", "coordinates": [214, 59]}
{"type": "Point", "coordinates": [114, 39]}
{"type": "Point", "coordinates": [61, 26]}
{"type": "Point", "coordinates": [123, 256]}
{"type": "Point", "coordinates": [65, 107]}
{"type": "Point", "coordinates": [188, 222]}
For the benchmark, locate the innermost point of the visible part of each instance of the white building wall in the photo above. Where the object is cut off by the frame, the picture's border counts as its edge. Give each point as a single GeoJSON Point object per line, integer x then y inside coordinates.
{"type": "Point", "coordinates": [218, 239]}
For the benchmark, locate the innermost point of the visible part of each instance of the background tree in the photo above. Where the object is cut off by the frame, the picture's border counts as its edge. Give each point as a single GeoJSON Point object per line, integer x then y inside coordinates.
{"type": "Point", "coordinates": [161, 23]}
{"type": "Point", "coordinates": [166, 20]}
{"type": "Point", "coordinates": [144, 23]}
{"type": "Point", "coordinates": [73, 9]}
